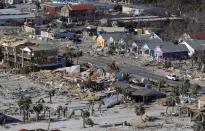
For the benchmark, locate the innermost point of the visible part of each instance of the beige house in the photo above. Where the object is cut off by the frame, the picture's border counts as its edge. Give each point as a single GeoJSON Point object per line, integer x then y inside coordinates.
{"type": "Point", "coordinates": [101, 42]}
{"type": "Point", "coordinates": [201, 102]}
{"type": "Point", "coordinates": [115, 38]}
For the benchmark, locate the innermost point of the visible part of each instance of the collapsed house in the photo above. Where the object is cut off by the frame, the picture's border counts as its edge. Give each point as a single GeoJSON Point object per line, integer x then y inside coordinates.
{"type": "Point", "coordinates": [146, 95]}
{"type": "Point", "coordinates": [4, 119]}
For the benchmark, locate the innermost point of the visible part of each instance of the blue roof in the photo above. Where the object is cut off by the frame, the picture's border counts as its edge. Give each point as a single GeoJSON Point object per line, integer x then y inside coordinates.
{"type": "Point", "coordinates": [120, 76]}
{"type": "Point", "coordinates": [66, 34]}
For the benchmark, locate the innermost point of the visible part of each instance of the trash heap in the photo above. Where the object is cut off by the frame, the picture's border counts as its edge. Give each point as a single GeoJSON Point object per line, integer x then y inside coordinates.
{"type": "Point", "coordinates": [70, 80]}
{"type": "Point", "coordinates": [45, 76]}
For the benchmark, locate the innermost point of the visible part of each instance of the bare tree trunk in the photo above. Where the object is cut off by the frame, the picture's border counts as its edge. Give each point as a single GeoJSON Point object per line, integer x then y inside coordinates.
{"type": "Point", "coordinates": [64, 112]}
{"type": "Point", "coordinates": [50, 99]}
{"type": "Point", "coordinates": [83, 122]}
{"type": "Point", "coordinates": [27, 114]}
{"type": "Point", "coordinates": [44, 113]}
{"type": "Point", "coordinates": [4, 121]}
{"type": "Point", "coordinates": [49, 119]}
{"type": "Point", "coordinates": [167, 109]}
{"type": "Point", "coordinates": [142, 118]}
{"type": "Point", "coordinates": [24, 116]}
{"type": "Point", "coordinates": [92, 108]}
{"type": "Point", "coordinates": [37, 116]}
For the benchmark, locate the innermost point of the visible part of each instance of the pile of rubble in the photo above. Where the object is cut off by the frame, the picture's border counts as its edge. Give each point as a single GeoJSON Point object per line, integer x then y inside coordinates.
{"type": "Point", "coordinates": [45, 76]}
{"type": "Point", "coordinates": [71, 80]}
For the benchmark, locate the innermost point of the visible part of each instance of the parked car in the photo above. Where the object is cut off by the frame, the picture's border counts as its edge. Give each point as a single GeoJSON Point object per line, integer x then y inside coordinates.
{"type": "Point", "coordinates": [172, 77]}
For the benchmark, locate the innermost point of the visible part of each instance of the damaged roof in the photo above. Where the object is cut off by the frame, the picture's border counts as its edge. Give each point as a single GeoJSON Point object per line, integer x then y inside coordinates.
{"type": "Point", "coordinates": [115, 35]}
{"type": "Point", "coordinates": [173, 48]}
{"type": "Point", "coordinates": [140, 40]}
{"type": "Point", "coordinates": [147, 92]}
{"type": "Point", "coordinates": [198, 45]}
{"type": "Point", "coordinates": [40, 47]}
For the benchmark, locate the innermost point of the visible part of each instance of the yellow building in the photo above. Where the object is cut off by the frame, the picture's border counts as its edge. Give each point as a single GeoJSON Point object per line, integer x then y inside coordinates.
{"type": "Point", "coordinates": [201, 102]}
{"type": "Point", "coordinates": [105, 39]}
{"type": "Point", "coordinates": [101, 42]}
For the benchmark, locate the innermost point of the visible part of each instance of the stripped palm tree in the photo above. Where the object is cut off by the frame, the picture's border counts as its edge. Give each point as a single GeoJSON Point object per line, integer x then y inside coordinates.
{"type": "Point", "coordinates": [59, 109]}
{"type": "Point", "coordinates": [185, 87]}
{"type": "Point", "coordinates": [45, 109]}
{"type": "Point", "coordinates": [140, 111]}
{"type": "Point", "coordinates": [24, 105]}
{"type": "Point", "coordinates": [113, 67]}
{"type": "Point", "coordinates": [84, 114]}
{"type": "Point", "coordinates": [195, 89]}
{"type": "Point", "coordinates": [172, 101]}
{"type": "Point", "coordinates": [51, 93]}
{"type": "Point", "coordinates": [199, 126]}
{"type": "Point", "coordinates": [38, 108]}
{"type": "Point", "coordinates": [64, 110]}
{"type": "Point", "coordinates": [161, 84]}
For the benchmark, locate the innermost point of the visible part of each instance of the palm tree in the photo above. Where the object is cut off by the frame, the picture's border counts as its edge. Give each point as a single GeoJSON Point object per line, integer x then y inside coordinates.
{"type": "Point", "coordinates": [84, 114]}
{"type": "Point", "coordinates": [64, 110]}
{"type": "Point", "coordinates": [126, 93]}
{"type": "Point", "coordinates": [193, 59]}
{"type": "Point", "coordinates": [89, 121]}
{"type": "Point", "coordinates": [123, 91]}
{"type": "Point", "coordinates": [69, 58]}
{"type": "Point", "coordinates": [51, 93]}
{"type": "Point", "coordinates": [45, 109]}
{"type": "Point", "coordinates": [127, 76]}
{"type": "Point", "coordinates": [161, 84]}
{"type": "Point", "coordinates": [24, 105]}
{"type": "Point", "coordinates": [38, 108]}
{"type": "Point", "coordinates": [118, 91]}
{"type": "Point", "coordinates": [38, 5]}
{"type": "Point", "coordinates": [114, 67]}
{"type": "Point", "coordinates": [111, 48]}
{"type": "Point", "coordinates": [64, 21]}
{"type": "Point", "coordinates": [185, 87]}
{"type": "Point", "coordinates": [195, 88]}
{"type": "Point", "coordinates": [198, 126]}
{"type": "Point", "coordinates": [59, 109]}
{"type": "Point", "coordinates": [167, 64]}
{"type": "Point", "coordinates": [172, 100]}
{"type": "Point", "coordinates": [140, 110]}
{"type": "Point", "coordinates": [41, 100]}
{"type": "Point", "coordinates": [91, 106]}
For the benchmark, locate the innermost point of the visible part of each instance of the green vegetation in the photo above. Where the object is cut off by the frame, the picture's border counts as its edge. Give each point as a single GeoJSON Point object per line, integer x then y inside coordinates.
{"type": "Point", "coordinates": [140, 111]}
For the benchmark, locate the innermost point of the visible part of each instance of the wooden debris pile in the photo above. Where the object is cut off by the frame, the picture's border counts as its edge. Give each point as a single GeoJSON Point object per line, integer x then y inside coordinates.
{"type": "Point", "coordinates": [44, 76]}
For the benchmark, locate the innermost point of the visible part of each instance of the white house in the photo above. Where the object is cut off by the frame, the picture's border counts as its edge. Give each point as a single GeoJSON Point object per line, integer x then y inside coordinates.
{"type": "Point", "coordinates": [132, 10]}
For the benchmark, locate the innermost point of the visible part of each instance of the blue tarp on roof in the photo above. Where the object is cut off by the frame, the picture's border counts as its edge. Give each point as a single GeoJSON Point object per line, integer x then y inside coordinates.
{"type": "Point", "coordinates": [120, 76]}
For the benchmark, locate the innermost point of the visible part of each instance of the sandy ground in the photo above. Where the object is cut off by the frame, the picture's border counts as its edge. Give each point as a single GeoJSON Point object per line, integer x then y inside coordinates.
{"type": "Point", "coordinates": [103, 122]}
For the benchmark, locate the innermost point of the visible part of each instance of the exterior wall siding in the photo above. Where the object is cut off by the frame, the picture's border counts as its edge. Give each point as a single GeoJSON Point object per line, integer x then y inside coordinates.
{"type": "Point", "coordinates": [175, 56]}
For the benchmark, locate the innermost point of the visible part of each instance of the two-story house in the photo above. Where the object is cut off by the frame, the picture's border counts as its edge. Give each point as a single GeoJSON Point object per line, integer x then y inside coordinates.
{"type": "Point", "coordinates": [78, 12]}
{"type": "Point", "coordinates": [24, 54]}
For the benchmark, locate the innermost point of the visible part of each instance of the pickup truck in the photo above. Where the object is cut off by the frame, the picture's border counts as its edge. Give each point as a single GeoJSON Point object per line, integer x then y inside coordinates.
{"type": "Point", "coordinates": [172, 77]}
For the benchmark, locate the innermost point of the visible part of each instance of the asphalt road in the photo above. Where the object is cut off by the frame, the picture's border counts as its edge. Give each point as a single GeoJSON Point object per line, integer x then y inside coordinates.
{"type": "Point", "coordinates": [135, 70]}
